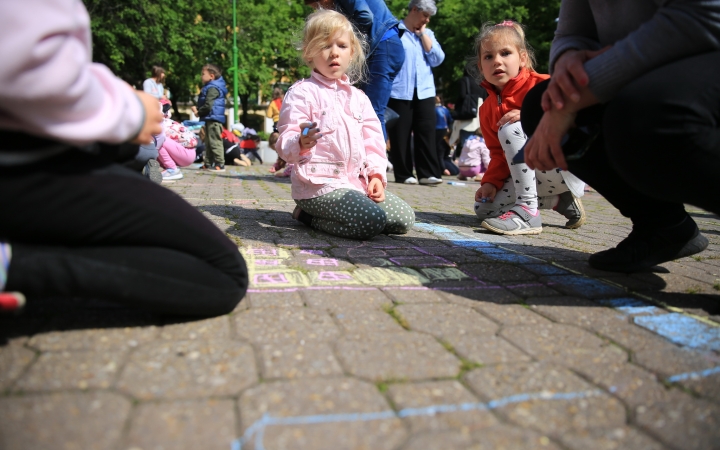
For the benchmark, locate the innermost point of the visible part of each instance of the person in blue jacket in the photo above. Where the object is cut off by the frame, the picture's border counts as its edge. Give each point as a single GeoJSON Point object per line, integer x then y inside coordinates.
{"type": "Point", "coordinates": [385, 50]}
{"type": "Point", "coordinates": [211, 110]}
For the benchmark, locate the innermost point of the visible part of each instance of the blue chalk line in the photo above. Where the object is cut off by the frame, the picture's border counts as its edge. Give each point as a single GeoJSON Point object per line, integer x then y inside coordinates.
{"type": "Point", "coordinates": [258, 428]}
{"type": "Point", "coordinates": [693, 375]}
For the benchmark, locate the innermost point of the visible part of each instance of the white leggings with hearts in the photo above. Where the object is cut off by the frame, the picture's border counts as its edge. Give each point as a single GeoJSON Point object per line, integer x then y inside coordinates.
{"type": "Point", "coordinates": [533, 189]}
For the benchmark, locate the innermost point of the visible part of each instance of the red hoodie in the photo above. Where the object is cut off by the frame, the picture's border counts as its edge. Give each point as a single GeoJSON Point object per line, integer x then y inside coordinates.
{"type": "Point", "coordinates": [492, 109]}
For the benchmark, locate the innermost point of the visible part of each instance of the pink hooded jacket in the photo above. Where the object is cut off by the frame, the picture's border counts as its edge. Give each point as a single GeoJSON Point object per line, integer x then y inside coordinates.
{"type": "Point", "coordinates": [352, 147]}
{"type": "Point", "coordinates": [50, 87]}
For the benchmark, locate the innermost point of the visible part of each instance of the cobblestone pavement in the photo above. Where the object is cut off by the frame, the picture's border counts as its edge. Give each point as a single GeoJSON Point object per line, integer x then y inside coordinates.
{"type": "Point", "coordinates": [444, 338]}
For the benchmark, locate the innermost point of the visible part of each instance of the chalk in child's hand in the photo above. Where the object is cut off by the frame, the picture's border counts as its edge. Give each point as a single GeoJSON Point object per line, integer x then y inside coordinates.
{"type": "Point", "coordinates": [305, 131]}
{"type": "Point", "coordinates": [483, 200]}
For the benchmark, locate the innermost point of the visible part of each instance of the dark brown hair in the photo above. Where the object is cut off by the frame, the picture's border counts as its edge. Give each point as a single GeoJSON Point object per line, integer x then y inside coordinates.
{"type": "Point", "coordinates": [213, 70]}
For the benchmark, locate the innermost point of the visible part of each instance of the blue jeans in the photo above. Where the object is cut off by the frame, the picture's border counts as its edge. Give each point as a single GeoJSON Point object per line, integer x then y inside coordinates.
{"type": "Point", "coordinates": [383, 65]}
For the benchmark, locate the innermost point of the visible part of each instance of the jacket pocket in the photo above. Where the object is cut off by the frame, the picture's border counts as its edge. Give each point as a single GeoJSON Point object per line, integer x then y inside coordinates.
{"type": "Point", "coordinates": [319, 171]}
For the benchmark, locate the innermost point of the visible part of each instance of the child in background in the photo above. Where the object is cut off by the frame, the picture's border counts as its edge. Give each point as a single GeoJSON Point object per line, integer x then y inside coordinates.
{"type": "Point", "coordinates": [474, 158]}
{"type": "Point", "coordinates": [249, 143]}
{"type": "Point", "coordinates": [511, 193]}
{"type": "Point", "coordinates": [330, 131]}
{"type": "Point", "coordinates": [177, 148]}
{"type": "Point", "coordinates": [273, 110]}
{"type": "Point", "coordinates": [211, 110]}
{"type": "Point", "coordinates": [443, 122]}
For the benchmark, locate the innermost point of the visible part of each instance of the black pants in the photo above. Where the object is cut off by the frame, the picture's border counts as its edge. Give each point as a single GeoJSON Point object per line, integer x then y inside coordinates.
{"type": "Point", "coordinates": [443, 152]}
{"type": "Point", "coordinates": [418, 117]}
{"type": "Point", "coordinates": [660, 142]}
{"type": "Point", "coordinates": [82, 226]}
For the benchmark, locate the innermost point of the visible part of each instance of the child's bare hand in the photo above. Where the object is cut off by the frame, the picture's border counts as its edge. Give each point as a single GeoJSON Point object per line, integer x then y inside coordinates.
{"type": "Point", "coordinates": [309, 134]}
{"type": "Point", "coordinates": [376, 190]}
{"type": "Point", "coordinates": [153, 118]}
{"type": "Point", "coordinates": [511, 116]}
{"type": "Point", "coordinates": [486, 193]}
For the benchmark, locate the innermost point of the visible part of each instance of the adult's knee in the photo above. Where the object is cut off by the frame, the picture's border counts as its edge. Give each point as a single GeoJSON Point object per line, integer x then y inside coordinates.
{"type": "Point", "coordinates": [531, 111]}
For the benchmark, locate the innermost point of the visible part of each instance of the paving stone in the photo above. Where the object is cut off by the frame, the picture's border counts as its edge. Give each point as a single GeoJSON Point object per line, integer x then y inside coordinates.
{"type": "Point", "coordinates": [322, 399]}
{"type": "Point", "coordinates": [510, 314]}
{"type": "Point", "coordinates": [298, 361]}
{"type": "Point", "coordinates": [358, 321]}
{"type": "Point", "coordinates": [275, 325]}
{"type": "Point", "coordinates": [14, 359]}
{"type": "Point", "coordinates": [94, 339]}
{"type": "Point", "coordinates": [610, 439]}
{"type": "Point", "coordinates": [216, 328]}
{"type": "Point", "coordinates": [632, 384]}
{"type": "Point", "coordinates": [396, 356]}
{"type": "Point", "coordinates": [442, 319]}
{"type": "Point", "coordinates": [411, 398]}
{"type": "Point", "coordinates": [421, 295]}
{"type": "Point", "coordinates": [485, 349]}
{"type": "Point", "coordinates": [206, 424]}
{"type": "Point", "coordinates": [516, 388]}
{"type": "Point", "coordinates": [685, 423]}
{"type": "Point", "coordinates": [342, 300]}
{"type": "Point", "coordinates": [189, 369]}
{"type": "Point", "coordinates": [268, 299]}
{"type": "Point", "coordinates": [505, 437]}
{"type": "Point", "coordinates": [489, 293]}
{"type": "Point", "coordinates": [62, 421]}
{"type": "Point", "coordinates": [563, 344]}
{"type": "Point", "coordinates": [497, 273]}
{"type": "Point", "coordinates": [666, 359]}
{"type": "Point", "coordinates": [73, 370]}
{"type": "Point", "coordinates": [445, 440]}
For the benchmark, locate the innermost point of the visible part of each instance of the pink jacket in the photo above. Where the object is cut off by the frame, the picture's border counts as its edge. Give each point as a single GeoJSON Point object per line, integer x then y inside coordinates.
{"type": "Point", "coordinates": [352, 147]}
{"type": "Point", "coordinates": [474, 153]}
{"type": "Point", "coordinates": [49, 85]}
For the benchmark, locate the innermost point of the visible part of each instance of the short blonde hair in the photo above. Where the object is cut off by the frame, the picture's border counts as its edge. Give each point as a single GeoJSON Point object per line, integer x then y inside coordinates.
{"type": "Point", "coordinates": [507, 31]}
{"type": "Point", "coordinates": [320, 27]}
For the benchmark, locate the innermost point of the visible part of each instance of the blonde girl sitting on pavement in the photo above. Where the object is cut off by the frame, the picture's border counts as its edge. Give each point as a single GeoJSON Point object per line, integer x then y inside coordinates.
{"type": "Point", "coordinates": [330, 132]}
{"type": "Point", "coordinates": [511, 193]}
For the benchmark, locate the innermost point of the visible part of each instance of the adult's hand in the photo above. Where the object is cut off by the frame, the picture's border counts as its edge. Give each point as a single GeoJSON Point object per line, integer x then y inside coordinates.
{"type": "Point", "coordinates": [543, 151]}
{"type": "Point", "coordinates": [569, 77]}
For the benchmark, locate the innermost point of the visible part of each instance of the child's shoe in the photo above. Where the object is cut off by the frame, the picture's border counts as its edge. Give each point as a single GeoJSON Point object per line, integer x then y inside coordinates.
{"type": "Point", "coordinates": [461, 177]}
{"type": "Point", "coordinates": [514, 222]}
{"type": "Point", "coordinates": [153, 171]}
{"type": "Point", "coordinates": [572, 208]}
{"type": "Point", "coordinates": [172, 174]}
{"type": "Point", "coordinates": [11, 302]}
{"type": "Point", "coordinates": [217, 168]}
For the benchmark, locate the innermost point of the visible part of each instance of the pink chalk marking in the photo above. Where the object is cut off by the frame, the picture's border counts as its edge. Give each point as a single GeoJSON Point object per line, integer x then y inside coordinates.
{"type": "Point", "coordinates": [311, 252]}
{"type": "Point", "coordinates": [270, 278]}
{"type": "Point", "coordinates": [333, 276]}
{"type": "Point", "coordinates": [322, 262]}
{"type": "Point", "coordinates": [264, 251]}
{"type": "Point", "coordinates": [314, 288]}
{"type": "Point", "coordinates": [267, 262]}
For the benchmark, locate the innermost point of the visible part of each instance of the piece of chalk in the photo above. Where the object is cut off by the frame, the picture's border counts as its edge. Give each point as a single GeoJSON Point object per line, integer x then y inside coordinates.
{"type": "Point", "coordinates": [305, 131]}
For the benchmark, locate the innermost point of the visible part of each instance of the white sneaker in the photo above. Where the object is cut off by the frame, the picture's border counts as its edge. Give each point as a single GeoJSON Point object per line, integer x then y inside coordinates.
{"type": "Point", "coordinates": [172, 174]}
{"type": "Point", "coordinates": [411, 180]}
{"type": "Point", "coordinates": [430, 180]}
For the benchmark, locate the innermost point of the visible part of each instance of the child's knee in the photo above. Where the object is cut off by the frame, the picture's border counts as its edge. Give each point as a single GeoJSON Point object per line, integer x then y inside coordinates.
{"type": "Point", "coordinates": [487, 210]}
{"type": "Point", "coordinates": [512, 136]}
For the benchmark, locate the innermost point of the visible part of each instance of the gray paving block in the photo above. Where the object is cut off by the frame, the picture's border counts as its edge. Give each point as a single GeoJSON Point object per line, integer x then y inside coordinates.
{"type": "Point", "coordinates": [498, 273]}
{"type": "Point", "coordinates": [396, 356]}
{"type": "Point", "coordinates": [182, 425]}
{"type": "Point", "coordinates": [269, 299]}
{"type": "Point", "coordinates": [189, 369]}
{"type": "Point", "coordinates": [94, 339]}
{"type": "Point", "coordinates": [563, 344]}
{"type": "Point", "coordinates": [418, 295]}
{"type": "Point", "coordinates": [666, 359]}
{"type": "Point", "coordinates": [632, 384]}
{"type": "Point", "coordinates": [445, 440]}
{"type": "Point", "coordinates": [342, 300]}
{"type": "Point", "coordinates": [73, 370]}
{"type": "Point", "coordinates": [215, 328]}
{"type": "Point", "coordinates": [307, 360]}
{"type": "Point", "coordinates": [411, 398]}
{"type": "Point", "coordinates": [323, 399]}
{"type": "Point", "coordinates": [276, 325]}
{"type": "Point", "coordinates": [546, 397]}
{"type": "Point", "coordinates": [685, 423]}
{"type": "Point", "coordinates": [506, 437]}
{"type": "Point", "coordinates": [366, 321]}
{"type": "Point", "coordinates": [14, 359]}
{"type": "Point", "coordinates": [488, 293]}
{"type": "Point", "coordinates": [63, 421]}
{"type": "Point", "coordinates": [442, 319]}
{"type": "Point", "coordinates": [610, 439]}
{"type": "Point", "coordinates": [510, 314]}
{"type": "Point", "coordinates": [485, 349]}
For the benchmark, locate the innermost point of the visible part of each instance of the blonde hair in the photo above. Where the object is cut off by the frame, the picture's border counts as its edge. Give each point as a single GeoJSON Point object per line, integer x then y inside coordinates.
{"type": "Point", "coordinates": [320, 27]}
{"type": "Point", "coordinates": [507, 31]}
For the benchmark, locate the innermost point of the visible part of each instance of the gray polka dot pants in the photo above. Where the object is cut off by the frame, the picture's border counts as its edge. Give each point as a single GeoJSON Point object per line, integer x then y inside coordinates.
{"type": "Point", "coordinates": [351, 214]}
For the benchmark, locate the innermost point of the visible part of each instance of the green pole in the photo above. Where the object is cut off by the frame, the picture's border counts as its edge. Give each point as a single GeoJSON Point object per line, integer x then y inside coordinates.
{"type": "Point", "coordinates": [236, 103]}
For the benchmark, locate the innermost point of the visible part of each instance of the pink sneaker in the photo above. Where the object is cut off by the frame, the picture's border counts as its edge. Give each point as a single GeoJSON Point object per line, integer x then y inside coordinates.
{"type": "Point", "coordinates": [11, 302]}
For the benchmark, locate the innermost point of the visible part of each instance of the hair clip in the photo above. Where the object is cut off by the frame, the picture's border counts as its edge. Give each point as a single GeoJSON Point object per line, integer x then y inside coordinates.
{"type": "Point", "coordinates": [507, 23]}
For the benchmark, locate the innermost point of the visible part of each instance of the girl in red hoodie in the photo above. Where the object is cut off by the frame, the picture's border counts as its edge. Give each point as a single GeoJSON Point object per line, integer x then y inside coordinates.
{"type": "Point", "coordinates": [511, 193]}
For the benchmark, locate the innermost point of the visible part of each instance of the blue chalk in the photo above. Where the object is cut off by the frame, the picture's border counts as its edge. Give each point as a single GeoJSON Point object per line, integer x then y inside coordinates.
{"type": "Point", "coordinates": [305, 131]}
{"type": "Point", "coordinates": [682, 330]}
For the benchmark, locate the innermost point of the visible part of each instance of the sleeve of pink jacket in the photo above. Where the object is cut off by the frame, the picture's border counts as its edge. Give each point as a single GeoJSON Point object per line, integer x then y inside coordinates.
{"type": "Point", "coordinates": [295, 110]}
{"type": "Point", "coordinates": [48, 83]}
{"type": "Point", "coordinates": [374, 142]}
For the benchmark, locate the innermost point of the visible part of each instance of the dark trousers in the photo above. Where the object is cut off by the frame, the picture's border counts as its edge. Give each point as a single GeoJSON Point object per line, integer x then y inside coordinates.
{"type": "Point", "coordinates": [82, 226]}
{"type": "Point", "coordinates": [418, 117]}
{"type": "Point", "coordinates": [660, 142]}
